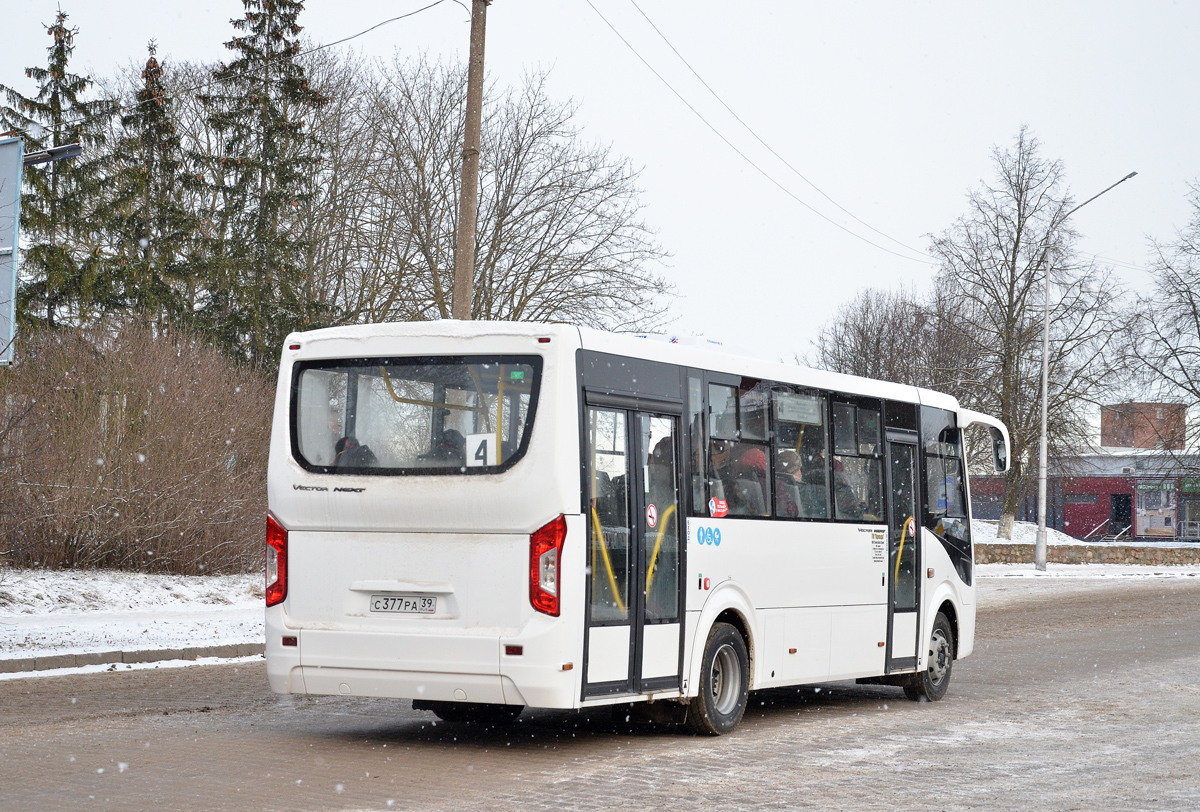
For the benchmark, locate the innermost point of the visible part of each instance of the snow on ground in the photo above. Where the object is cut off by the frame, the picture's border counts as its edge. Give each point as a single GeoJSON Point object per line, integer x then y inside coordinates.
{"type": "Point", "coordinates": [45, 612]}
{"type": "Point", "coordinates": [1023, 533]}
{"type": "Point", "coordinates": [1000, 584]}
{"type": "Point", "coordinates": [984, 531]}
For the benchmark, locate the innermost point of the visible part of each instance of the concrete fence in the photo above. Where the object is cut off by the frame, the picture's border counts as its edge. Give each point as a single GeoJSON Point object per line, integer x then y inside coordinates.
{"type": "Point", "coordinates": [1087, 554]}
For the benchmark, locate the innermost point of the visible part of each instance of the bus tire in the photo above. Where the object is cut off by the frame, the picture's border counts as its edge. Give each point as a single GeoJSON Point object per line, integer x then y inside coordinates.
{"type": "Point", "coordinates": [930, 685]}
{"type": "Point", "coordinates": [481, 713]}
{"type": "Point", "coordinates": [724, 683]}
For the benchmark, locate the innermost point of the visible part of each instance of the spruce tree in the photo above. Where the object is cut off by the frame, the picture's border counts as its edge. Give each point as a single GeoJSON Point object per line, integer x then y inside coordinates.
{"type": "Point", "coordinates": [150, 226]}
{"type": "Point", "coordinates": [258, 108]}
{"type": "Point", "coordinates": [65, 276]}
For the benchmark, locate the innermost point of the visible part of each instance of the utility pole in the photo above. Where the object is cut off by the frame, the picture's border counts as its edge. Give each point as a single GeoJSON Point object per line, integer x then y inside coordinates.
{"type": "Point", "coordinates": [468, 202]}
{"type": "Point", "coordinates": [1039, 549]}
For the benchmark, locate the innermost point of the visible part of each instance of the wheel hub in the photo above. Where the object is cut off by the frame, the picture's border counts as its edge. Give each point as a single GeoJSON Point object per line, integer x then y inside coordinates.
{"type": "Point", "coordinates": [939, 657]}
{"type": "Point", "coordinates": [726, 680]}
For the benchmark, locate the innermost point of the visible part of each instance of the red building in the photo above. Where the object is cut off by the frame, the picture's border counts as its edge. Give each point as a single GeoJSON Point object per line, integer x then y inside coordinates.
{"type": "Point", "coordinates": [1148, 487]}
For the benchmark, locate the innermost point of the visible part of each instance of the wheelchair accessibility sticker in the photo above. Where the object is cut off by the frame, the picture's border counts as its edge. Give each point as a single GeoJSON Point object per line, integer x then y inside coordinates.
{"type": "Point", "coordinates": [708, 535]}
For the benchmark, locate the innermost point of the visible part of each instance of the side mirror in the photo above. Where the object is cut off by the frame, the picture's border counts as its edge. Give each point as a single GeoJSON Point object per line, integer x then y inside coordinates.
{"type": "Point", "coordinates": [999, 450]}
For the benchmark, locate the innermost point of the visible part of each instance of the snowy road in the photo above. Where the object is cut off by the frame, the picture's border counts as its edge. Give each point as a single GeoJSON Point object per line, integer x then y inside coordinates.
{"type": "Point", "coordinates": [1076, 698]}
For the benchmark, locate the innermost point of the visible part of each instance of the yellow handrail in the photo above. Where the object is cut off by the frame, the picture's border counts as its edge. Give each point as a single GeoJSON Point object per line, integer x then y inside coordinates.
{"type": "Point", "coordinates": [612, 579]}
{"type": "Point", "coordinates": [433, 404]}
{"type": "Point", "coordinates": [900, 552]}
{"type": "Point", "coordinates": [657, 544]}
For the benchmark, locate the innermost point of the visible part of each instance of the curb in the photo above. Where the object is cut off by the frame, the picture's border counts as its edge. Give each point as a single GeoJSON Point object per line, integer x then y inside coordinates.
{"type": "Point", "coordinates": [50, 662]}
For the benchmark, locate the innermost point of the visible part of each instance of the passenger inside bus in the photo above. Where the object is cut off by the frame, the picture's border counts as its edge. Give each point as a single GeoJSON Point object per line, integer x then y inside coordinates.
{"type": "Point", "coordinates": [750, 483]}
{"type": "Point", "coordinates": [448, 450]}
{"type": "Point", "coordinates": [849, 506]}
{"type": "Point", "coordinates": [349, 453]}
{"type": "Point", "coordinates": [795, 496]}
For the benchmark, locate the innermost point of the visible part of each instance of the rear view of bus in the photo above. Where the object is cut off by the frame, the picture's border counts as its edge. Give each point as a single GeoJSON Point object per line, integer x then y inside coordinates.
{"type": "Point", "coordinates": [419, 505]}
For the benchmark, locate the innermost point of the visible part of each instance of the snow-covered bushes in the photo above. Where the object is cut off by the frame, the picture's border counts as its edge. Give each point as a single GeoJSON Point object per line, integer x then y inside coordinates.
{"type": "Point", "coordinates": [121, 447]}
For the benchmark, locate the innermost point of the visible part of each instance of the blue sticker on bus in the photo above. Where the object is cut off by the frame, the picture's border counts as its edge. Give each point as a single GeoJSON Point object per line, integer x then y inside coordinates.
{"type": "Point", "coordinates": [708, 535]}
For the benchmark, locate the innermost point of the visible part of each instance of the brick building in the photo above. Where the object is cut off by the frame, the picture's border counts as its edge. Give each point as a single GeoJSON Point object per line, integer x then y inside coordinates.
{"type": "Point", "coordinates": [1138, 483]}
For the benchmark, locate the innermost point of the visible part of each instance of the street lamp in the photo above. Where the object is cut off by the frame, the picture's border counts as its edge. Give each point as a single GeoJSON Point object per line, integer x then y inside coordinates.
{"type": "Point", "coordinates": [1040, 553]}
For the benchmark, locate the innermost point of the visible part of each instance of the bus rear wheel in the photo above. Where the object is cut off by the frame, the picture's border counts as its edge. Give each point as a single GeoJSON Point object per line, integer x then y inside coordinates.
{"type": "Point", "coordinates": [724, 683]}
{"type": "Point", "coordinates": [481, 713]}
{"type": "Point", "coordinates": [931, 684]}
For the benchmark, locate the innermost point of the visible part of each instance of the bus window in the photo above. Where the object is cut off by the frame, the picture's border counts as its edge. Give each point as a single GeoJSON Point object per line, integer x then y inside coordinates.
{"type": "Point", "coordinates": [738, 477]}
{"type": "Point", "coordinates": [858, 488]}
{"type": "Point", "coordinates": [857, 467]}
{"type": "Point", "coordinates": [801, 490]}
{"type": "Point", "coordinates": [661, 525]}
{"type": "Point", "coordinates": [945, 494]}
{"type": "Point", "coordinates": [752, 410]}
{"type": "Point", "coordinates": [722, 412]}
{"type": "Point", "coordinates": [608, 527]}
{"type": "Point", "coordinates": [843, 429]}
{"type": "Point", "coordinates": [868, 431]}
{"type": "Point", "coordinates": [410, 415]}
{"type": "Point", "coordinates": [739, 482]}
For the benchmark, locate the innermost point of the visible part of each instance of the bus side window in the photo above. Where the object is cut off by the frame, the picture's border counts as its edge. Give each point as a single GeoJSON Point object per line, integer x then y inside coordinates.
{"type": "Point", "coordinates": [799, 456]}
{"type": "Point", "coordinates": [752, 411]}
{"type": "Point", "coordinates": [844, 418]}
{"type": "Point", "coordinates": [738, 474]}
{"type": "Point", "coordinates": [722, 412]}
{"type": "Point", "coordinates": [857, 463]}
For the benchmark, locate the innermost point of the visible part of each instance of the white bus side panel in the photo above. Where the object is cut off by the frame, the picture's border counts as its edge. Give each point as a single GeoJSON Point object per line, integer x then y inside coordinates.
{"type": "Point", "coordinates": [608, 653]}
{"type": "Point", "coordinates": [820, 588]}
{"type": "Point", "coordinates": [660, 652]}
{"type": "Point", "coordinates": [855, 649]}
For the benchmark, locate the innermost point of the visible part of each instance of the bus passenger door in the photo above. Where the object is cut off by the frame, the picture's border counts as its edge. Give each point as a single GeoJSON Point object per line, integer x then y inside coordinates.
{"type": "Point", "coordinates": [633, 634]}
{"type": "Point", "coordinates": [904, 557]}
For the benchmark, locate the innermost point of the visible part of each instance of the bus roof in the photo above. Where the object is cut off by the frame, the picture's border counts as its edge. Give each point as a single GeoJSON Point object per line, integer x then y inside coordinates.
{"type": "Point", "coordinates": [348, 340]}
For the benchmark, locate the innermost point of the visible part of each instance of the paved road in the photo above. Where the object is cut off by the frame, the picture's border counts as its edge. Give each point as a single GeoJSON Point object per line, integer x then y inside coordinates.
{"type": "Point", "coordinates": [1078, 699]}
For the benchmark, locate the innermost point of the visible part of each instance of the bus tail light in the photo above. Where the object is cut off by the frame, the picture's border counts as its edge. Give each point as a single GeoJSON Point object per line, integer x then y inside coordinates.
{"type": "Point", "coordinates": [277, 544]}
{"type": "Point", "coordinates": [545, 555]}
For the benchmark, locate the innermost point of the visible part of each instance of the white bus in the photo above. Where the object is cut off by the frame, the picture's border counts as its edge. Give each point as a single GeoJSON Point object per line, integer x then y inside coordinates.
{"type": "Point", "coordinates": [482, 516]}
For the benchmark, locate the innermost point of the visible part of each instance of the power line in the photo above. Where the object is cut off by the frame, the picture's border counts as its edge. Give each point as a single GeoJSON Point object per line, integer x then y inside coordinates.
{"type": "Point", "coordinates": [768, 147]}
{"type": "Point", "coordinates": [372, 28]}
{"type": "Point", "coordinates": [743, 155]}
{"type": "Point", "coordinates": [1120, 263]}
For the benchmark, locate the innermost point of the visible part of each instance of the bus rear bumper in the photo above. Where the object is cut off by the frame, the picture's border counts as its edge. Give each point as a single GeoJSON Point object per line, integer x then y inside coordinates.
{"type": "Point", "coordinates": [432, 686]}
{"type": "Point", "coordinates": [432, 667]}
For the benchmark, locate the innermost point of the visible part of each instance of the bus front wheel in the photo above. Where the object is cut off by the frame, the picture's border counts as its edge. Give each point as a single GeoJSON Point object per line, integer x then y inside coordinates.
{"type": "Point", "coordinates": [724, 683]}
{"type": "Point", "coordinates": [931, 684]}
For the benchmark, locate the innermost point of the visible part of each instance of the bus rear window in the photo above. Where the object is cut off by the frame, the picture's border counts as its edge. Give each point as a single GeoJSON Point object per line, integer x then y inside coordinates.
{"type": "Point", "coordinates": [413, 415]}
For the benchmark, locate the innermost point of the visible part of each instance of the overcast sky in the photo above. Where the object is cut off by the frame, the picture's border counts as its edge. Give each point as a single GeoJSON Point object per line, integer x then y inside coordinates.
{"type": "Point", "coordinates": [890, 108]}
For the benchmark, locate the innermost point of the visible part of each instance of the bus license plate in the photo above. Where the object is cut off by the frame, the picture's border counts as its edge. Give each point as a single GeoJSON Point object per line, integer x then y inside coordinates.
{"type": "Point", "coordinates": [405, 604]}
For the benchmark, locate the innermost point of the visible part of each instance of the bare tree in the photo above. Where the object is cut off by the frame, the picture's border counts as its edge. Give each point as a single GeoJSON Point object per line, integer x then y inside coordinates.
{"type": "Point", "coordinates": [865, 334]}
{"type": "Point", "coordinates": [1164, 335]}
{"type": "Point", "coordinates": [560, 235]}
{"type": "Point", "coordinates": [994, 261]}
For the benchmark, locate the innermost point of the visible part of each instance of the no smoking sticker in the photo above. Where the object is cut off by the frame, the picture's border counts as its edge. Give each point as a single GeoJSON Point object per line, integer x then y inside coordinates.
{"type": "Point", "coordinates": [651, 515]}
